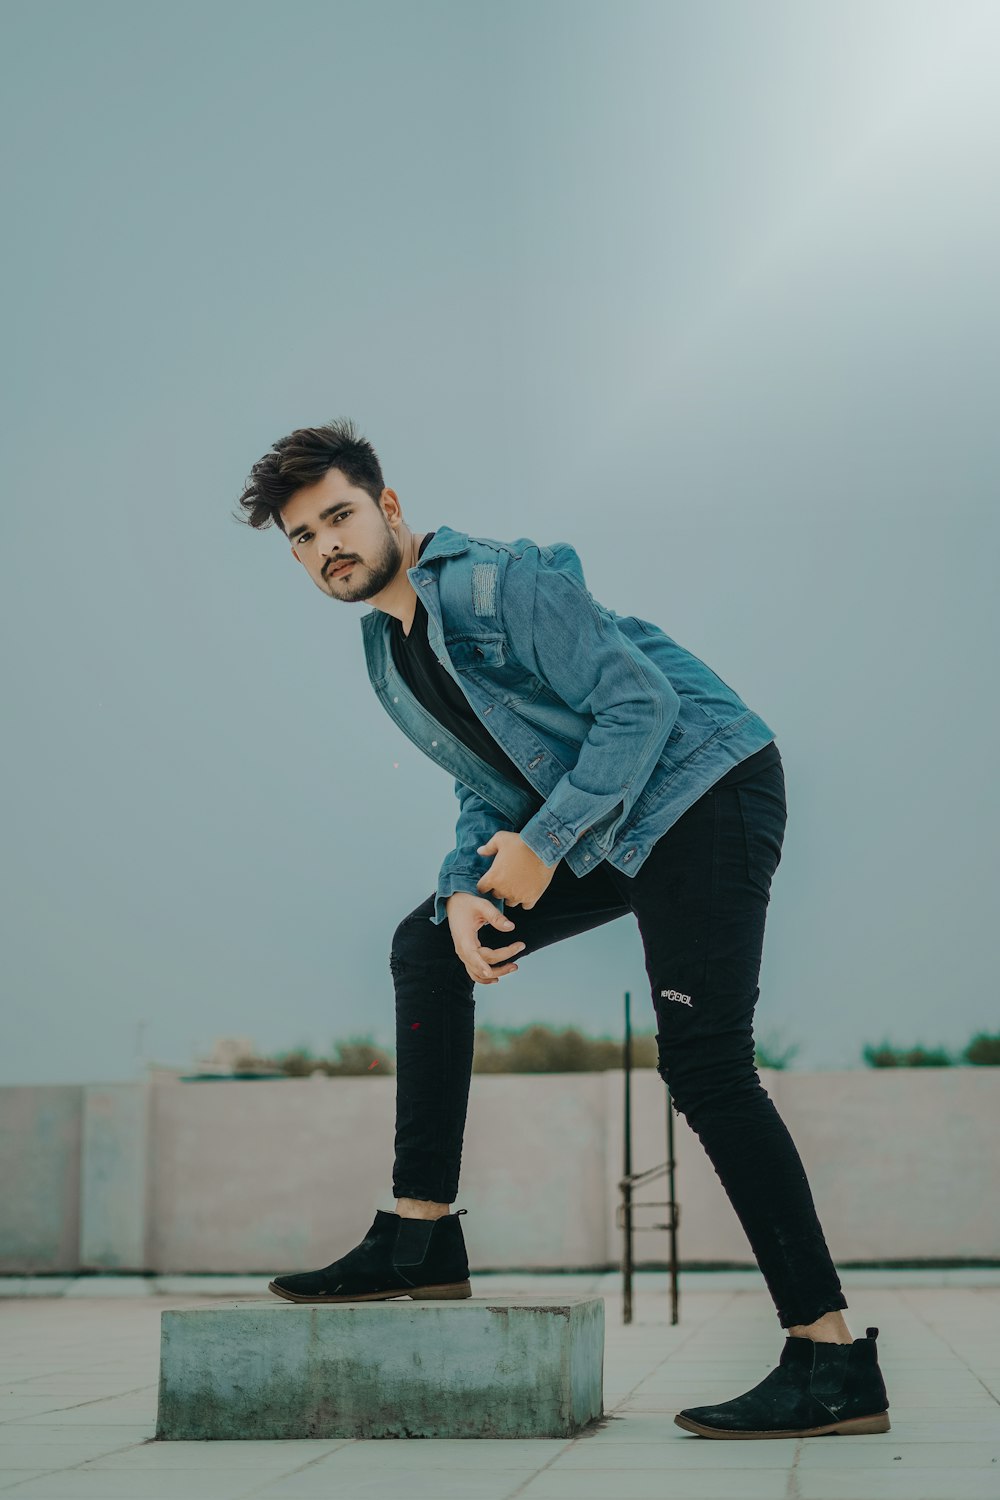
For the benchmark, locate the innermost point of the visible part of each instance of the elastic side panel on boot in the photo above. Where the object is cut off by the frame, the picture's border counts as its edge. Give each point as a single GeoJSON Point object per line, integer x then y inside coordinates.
{"type": "Point", "coordinates": [412, 1243]}
{"type": "Point", "coordinates": [829, 1371]}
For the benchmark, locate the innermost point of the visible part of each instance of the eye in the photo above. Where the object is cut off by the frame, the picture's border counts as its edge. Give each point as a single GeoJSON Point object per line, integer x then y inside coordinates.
{"type": "Point", "coordinates": [307, 535]}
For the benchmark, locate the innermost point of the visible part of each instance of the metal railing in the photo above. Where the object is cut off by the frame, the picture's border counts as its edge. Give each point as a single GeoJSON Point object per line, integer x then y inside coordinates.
{"type": "Point", "coordinates": [630, 1180]}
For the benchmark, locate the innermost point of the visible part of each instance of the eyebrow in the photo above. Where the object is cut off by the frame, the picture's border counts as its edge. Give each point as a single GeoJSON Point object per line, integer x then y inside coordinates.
{"type": "Point", "coordinates": [330, 510]}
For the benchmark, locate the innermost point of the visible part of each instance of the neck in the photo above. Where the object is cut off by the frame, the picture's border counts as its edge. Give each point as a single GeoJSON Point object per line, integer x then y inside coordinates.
{"type": "Point", "coordinates": [411, 556]}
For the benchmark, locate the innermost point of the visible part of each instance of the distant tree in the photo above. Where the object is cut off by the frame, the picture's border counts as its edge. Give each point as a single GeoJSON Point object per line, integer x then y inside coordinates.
{"type": "Point", "coordinates": [540, 1049]}
{"type": "Point", "coordinates": [768, 1055]}
{"type": "Point", "coordinates": [886, 1056]}
{"type": "Point", "coordinates": [357, 1056]}
{"type": "Point", "coordinates": [296, 1064]}
{"type": "Point", "coordinates": [984, 1048]}
{"type": "Point", "coordinates": [299, 1063]}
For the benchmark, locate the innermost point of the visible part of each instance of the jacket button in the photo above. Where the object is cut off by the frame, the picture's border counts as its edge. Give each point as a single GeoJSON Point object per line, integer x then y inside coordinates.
{"type": "Point", "coordinates": [433, 742]}
{"type": "Point", "coordinates": [586, 859]}
{"type": "Point", "coordinates": [395, 700]}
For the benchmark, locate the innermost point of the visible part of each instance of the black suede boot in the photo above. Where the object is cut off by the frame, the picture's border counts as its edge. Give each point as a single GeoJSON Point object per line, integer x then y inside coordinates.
{"type": "Point", "coordinates": [418, 1258]}
{"type": "Point", "coordinates": [815, 1389]}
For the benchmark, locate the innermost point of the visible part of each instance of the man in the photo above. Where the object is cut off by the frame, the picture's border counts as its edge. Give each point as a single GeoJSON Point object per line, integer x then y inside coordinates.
{"type": "Point", "coordinates": [600, 769]}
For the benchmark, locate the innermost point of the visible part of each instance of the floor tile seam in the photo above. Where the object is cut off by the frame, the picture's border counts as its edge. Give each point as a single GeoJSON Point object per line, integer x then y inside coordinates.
{"type": "Point", "coordinates": [77, 1405]}
{"type": "Point", "coordinates": [692, 1333]}
{"type": "Point", "coordinates": [92, 1458]}
{"type": "Point", "coordinates": [309, 1464]}
{"type": "Point", "coordinates": [793, 1489]}
{"type": "Point", "coordinates": [520, 1485]}
{"type": "Point", "coordinates": [905, 1298]}
{"type": "Point", "coordinates": [670, 1354]}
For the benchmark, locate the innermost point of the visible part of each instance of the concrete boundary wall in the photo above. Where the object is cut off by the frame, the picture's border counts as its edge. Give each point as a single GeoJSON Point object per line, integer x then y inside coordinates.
{"type": "Point", "coordinates": [279, 1175]}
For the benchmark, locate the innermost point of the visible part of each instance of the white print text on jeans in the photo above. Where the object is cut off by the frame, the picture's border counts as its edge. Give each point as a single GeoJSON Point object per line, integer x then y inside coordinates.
{"type": "Point", "coordinates": [676, 995]}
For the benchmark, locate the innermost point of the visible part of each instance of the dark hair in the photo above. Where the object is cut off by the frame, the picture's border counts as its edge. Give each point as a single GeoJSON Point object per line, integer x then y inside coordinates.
{"type": "Point", "coordinates": [302, 458]}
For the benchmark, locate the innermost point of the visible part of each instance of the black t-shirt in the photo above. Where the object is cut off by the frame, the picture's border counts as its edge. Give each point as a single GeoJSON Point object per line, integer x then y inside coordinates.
{"type": "Point", "coordinates": [768, 756]}
{"type": "Point", "coordinates": [434, 687]}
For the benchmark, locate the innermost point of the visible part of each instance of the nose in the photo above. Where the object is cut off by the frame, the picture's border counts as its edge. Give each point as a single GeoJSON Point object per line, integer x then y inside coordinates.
{"type": "Point", "coordinates": [331, 553]}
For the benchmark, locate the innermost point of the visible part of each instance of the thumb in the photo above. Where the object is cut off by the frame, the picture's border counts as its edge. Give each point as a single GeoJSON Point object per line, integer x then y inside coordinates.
{"type": "Point", "coordinates": [497, 919]}
{"type": "Point", "coordinates": [488, 848]}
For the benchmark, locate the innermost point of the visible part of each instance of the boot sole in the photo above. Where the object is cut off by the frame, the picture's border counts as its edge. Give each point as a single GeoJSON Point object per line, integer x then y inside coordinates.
{"type": "Point", "coordinates": [877, 1423]}
{"type": "Point", "coordinates": [444, 1293]}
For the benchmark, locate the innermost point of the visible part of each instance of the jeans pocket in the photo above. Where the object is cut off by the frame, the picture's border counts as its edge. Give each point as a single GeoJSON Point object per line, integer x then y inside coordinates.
{"type": "Point", "coordinates": [763, 816]}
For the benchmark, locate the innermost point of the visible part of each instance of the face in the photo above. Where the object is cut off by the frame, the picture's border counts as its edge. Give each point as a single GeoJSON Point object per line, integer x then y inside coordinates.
{"type": "Point", "coordinates": [331, 523]}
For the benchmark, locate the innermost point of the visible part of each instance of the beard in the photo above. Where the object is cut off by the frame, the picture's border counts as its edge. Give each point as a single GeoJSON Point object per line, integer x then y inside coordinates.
{"type": "Point", "coordinates": [368, 578]}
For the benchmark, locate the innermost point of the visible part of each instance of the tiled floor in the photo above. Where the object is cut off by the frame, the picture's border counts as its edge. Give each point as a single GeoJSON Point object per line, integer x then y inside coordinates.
{"type": "Point", "coordinates": [78, 1379]}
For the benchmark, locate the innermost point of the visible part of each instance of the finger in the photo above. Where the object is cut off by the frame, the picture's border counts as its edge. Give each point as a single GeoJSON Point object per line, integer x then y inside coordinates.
{"type": "Point", "coordinates": [480, 970]}
{"type": "Point", "coordinates": [496, 955]}
{"type": "Point", "coordinates": [492, 975]}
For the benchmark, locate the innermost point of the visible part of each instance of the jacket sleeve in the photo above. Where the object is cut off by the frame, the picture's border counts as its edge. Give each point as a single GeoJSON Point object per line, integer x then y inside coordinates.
{"type": "Point", "coordinates": [556, 628]}
{"type": "Point", "coordinates": [463, 868]}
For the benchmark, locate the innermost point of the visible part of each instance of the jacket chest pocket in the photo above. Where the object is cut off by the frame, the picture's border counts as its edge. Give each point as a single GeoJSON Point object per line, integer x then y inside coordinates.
{"type": "Point", "coordinates": [486, 656]}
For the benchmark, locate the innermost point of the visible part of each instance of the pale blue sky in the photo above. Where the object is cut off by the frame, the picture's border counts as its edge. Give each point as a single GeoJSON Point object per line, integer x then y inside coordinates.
{"type": "Point", "coordinates": [707, 289]}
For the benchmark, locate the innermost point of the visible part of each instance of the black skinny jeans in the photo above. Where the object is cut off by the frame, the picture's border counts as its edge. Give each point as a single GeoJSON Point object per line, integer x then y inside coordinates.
{"type": "Point", "coordinates": [701, 900]}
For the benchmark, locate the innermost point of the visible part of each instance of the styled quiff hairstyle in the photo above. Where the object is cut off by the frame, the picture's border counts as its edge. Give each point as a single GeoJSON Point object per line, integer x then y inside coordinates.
{"type": "Point", "coordinates": [302, 458]}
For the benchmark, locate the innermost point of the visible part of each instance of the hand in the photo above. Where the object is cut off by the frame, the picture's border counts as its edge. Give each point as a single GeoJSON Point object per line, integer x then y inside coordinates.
{"type": "Point", "coordinates": [466, 914]}
{"type": "Point", "coordinates": [517, 875]}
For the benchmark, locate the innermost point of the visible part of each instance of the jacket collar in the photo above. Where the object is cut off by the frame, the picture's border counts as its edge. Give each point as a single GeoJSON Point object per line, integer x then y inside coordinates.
{"type": "Point", "coordinates": [446, 542]}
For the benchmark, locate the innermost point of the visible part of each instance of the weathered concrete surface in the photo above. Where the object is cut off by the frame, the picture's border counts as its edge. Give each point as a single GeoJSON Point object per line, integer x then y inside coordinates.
{"type": "Point", "coordinates": [40, 1131]}
{"type": "Point", "coordinates": [114, 1186]}
{"type": "Point", "coordinates": [219, 1182]}
{"type": "Point", "coordinates": [476, 1368]}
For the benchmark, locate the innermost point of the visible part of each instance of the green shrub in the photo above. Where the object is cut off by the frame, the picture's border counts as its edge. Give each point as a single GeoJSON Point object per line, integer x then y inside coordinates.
{"type": "Point", "coordinates": [984, 1048]}
{"type": "Point", "coordinates": [539, 1049]}
{"type": "Point", "coordinates": [298, 1063]}
{"type": "Point", "coordinates": [356, 1056]}
{"type": "Point", "coordinates": [885, 1056]}
{"type": "Point", "coordinates": [768, 1055]}
{"type": "Point", "coordinates": [350, 1058]}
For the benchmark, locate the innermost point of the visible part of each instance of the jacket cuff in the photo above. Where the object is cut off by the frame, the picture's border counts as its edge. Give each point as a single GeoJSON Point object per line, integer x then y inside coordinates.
{"type": "Point", "coordinates": [460, 880]}
{"type": "Point", "coordinates": [547, 837]}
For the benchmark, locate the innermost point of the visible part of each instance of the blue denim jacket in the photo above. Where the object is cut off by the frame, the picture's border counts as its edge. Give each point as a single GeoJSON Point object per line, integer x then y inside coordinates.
{"type": "Point", "coordinates": [616, 725]}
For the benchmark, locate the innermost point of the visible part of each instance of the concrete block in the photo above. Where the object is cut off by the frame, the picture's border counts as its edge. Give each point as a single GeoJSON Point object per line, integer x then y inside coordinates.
{"type": "Point", "coordinates": [497, 1368]}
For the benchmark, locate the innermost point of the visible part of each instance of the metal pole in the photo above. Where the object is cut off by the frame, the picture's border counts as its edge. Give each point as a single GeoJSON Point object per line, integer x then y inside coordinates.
{"type": "Point", "coordinates": [627, 1184]}
{"type": "Point", "coordinates": [673, 1210]}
